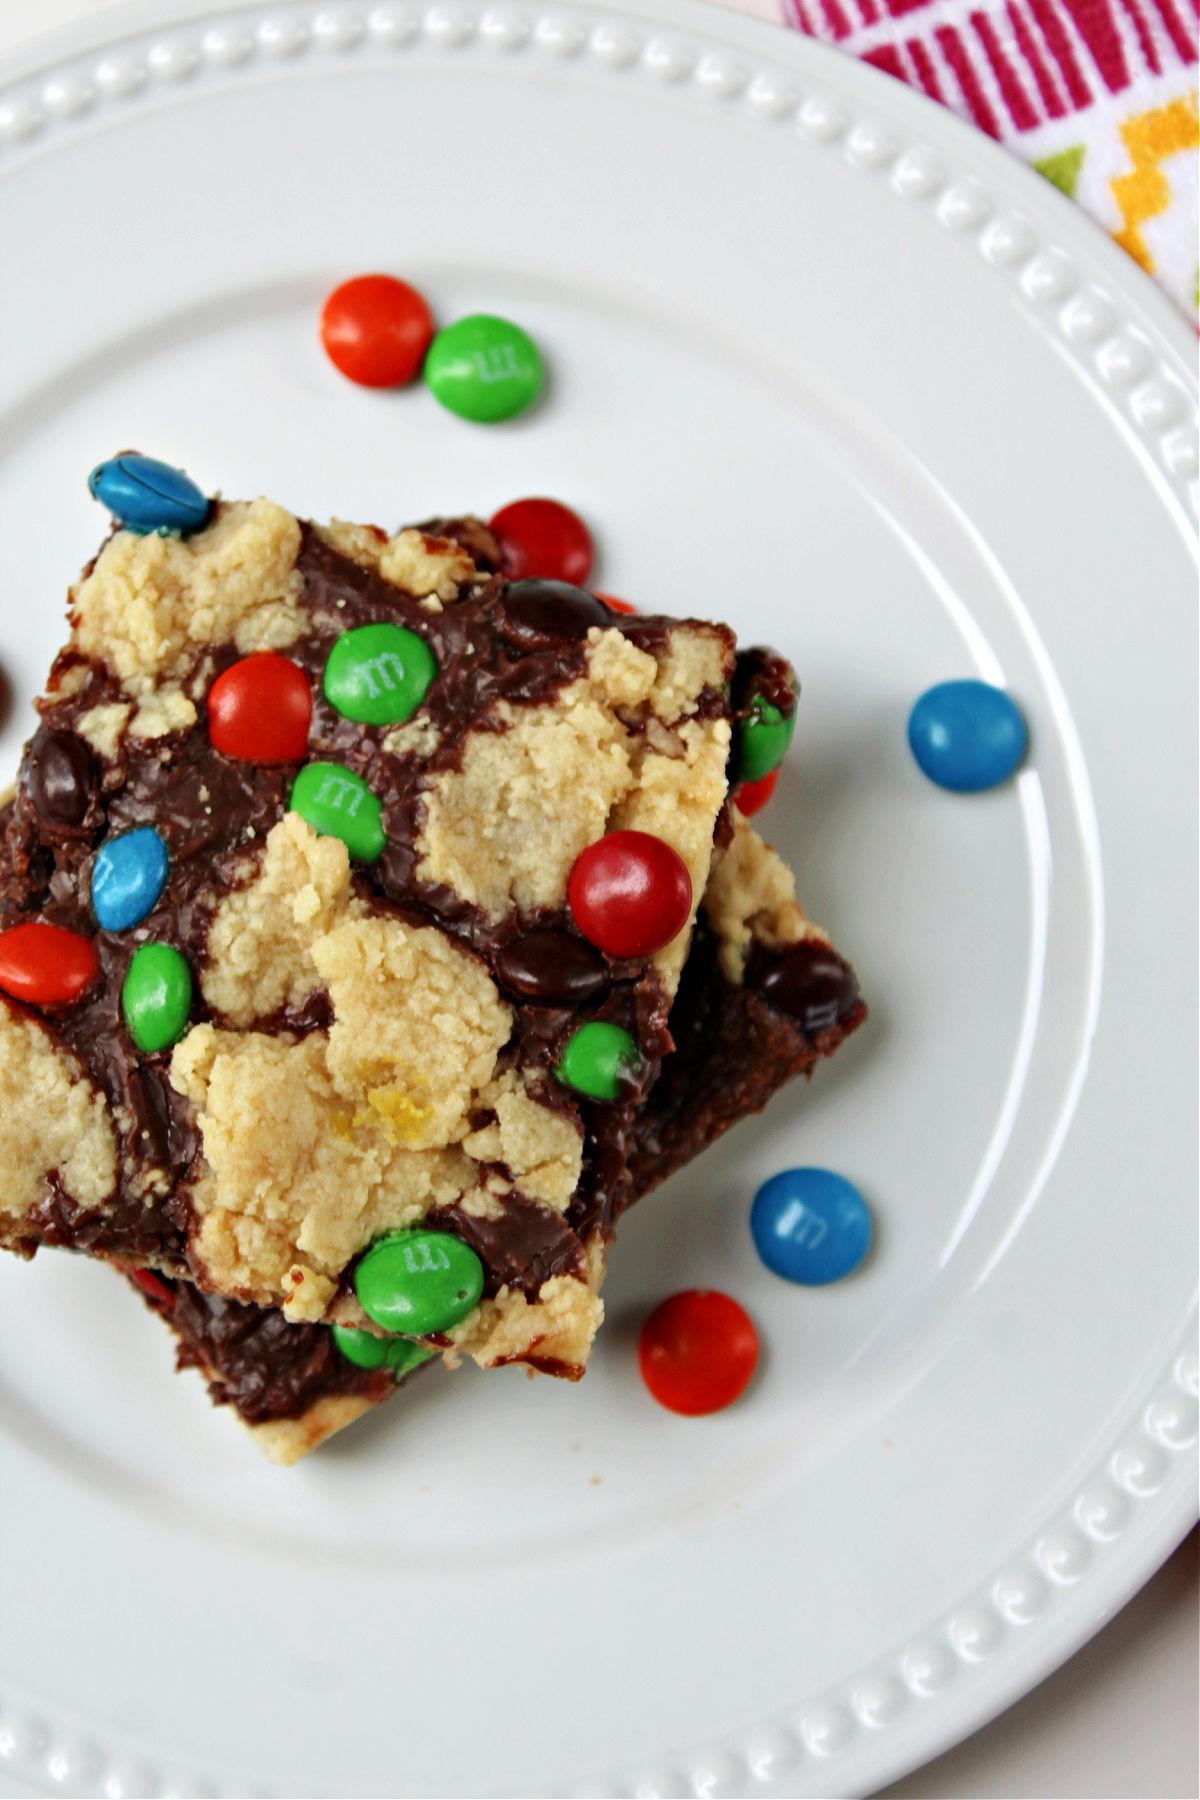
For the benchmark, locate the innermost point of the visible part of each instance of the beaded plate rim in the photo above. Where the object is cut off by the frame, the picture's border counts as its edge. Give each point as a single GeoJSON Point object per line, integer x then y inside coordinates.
{"type": "Point", "coordinates": [884, 1720]}
{"type": "Point", "coordinates": [46, 93]}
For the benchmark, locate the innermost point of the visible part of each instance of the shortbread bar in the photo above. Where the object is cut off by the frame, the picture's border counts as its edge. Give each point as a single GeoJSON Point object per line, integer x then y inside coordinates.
{"type": "Point", "coordinates": [295, 1000]}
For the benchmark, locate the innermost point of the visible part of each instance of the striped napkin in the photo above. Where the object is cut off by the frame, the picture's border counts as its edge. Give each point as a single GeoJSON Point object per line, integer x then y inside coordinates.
{"type": "Point", "coordinates": [1099, 95]}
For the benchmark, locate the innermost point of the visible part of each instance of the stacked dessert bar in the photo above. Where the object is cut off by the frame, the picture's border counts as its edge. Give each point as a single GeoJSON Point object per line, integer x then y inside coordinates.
{"type": "Point", "coordinates": [298, 1023]}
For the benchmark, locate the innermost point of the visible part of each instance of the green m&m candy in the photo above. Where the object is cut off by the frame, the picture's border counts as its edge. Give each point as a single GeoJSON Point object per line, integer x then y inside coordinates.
{"type": "Point", "coordinates": [595, 1058]}
{"type": "Point", "coordinates": [156, 997]}
{"type": "Point", "coordinates": [761, 741]}
{"type": "Point", "coordinates": [379, 674]}
{"type": "Point", "coordinates": [366, 1351]}
{"type": "Point", "coordinates": [484, 368]}
{"type": "Point", "coordinates": [418, 1282]}
{"type": "Point", "coordinates": [337, 803]}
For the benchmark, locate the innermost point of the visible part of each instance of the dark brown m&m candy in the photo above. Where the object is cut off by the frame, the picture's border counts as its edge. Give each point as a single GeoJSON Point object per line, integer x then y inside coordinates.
{"type": "Point", "coordinates": [807, 981]}
{"type": "Point", "coordinates": [552, 967]}
{"type": "Point", "coordinates": [60, 778]}
{"type": "Point", "coordinates": [538, 615]}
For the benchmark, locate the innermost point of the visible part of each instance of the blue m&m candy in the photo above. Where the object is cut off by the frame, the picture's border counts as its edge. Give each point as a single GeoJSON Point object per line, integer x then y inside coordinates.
{"type": "Point", "coordinates": [967, 735]}
{"type": "Point", "coordinates": [145, 495]}
{"type": "Point", "coordinates": [127, 877]}
{"type": "Point", "coordinates": [810, 1226]}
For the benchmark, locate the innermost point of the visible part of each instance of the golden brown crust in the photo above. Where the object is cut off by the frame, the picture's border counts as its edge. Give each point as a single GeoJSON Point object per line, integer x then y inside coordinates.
{"type": "Point", "coordinates": [285, 1441]}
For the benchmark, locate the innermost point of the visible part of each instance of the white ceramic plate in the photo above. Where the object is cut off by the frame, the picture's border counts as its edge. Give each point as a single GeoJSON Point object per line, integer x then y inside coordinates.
{"type": "Point", "coordinates": [826, 364]}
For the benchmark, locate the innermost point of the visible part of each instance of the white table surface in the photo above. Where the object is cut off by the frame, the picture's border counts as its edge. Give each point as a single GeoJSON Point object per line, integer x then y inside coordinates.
{"type": "Point", "coordinates": [1122, 1718]}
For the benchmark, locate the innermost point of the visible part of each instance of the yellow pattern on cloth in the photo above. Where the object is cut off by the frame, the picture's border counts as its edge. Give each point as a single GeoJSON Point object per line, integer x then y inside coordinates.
{"type": "Point", "coordinates": [1151, 138]}
{"type": "Point", "coordinates": [1130, 160]}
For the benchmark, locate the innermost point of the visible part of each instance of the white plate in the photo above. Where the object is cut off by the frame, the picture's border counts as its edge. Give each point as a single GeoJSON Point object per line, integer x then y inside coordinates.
{"type": "Point", "coordinates": [829, 365]}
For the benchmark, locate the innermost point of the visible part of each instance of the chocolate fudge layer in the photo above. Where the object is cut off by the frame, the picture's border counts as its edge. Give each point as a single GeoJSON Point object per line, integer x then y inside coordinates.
{"type": "Point", "coordinates": [762, 998]}
{"type": "Point", "coordinates": [380, 981]}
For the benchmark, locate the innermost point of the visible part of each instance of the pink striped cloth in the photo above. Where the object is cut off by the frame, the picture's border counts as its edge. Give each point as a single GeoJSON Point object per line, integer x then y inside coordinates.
{"type": "Point", "coordinates": [1099, 95]}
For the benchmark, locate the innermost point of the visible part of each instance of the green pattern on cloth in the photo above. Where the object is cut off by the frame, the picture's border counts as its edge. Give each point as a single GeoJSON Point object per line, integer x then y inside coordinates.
{"type": "Point", "coordinates": [1063, 168]}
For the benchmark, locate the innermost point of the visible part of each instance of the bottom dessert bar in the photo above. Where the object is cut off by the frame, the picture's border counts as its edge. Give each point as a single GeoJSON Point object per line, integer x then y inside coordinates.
{"type": "Point", "coordinates": [763, 997]}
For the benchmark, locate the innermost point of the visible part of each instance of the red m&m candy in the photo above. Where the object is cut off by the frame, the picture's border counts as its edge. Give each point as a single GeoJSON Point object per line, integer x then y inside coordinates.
{"type": "Point", "coordinates": [630, 893]}
{"type": "Point", "coordinates": [46, 965]}
{"type": "Point", "coordinates": [697, 1351]}
{"type": "Point", "coordinates": [621, 606]}
{"type": "Point", "coordinates": [752, 796]}
{"type": "Point", "coordinates": [155, 1290]}
{"type": "Point", "coordinates": [376, 330]}
{"type": "Point", "coordinates": [545, 539]}
{"type": "Point", "coordinates": [260, 709]}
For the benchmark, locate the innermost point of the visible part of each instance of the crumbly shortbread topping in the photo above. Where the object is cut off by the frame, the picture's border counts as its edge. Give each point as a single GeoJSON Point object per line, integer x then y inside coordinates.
{"type": "Point", "coordinates": [751, 895]}
{"type": "Point", "coordinates": [558, 1329]}
{"type": "Point", "coordinates": [152, 603]}
{"type": "Point", "coordinates": [53, 1122]}
{"type": "Point", "coordinates": [315, 1146]}
{"type": "Point", "coordinates": [412, 559]}
{"type": "Point", "coordinates": [261, 937]}
{"type": "Point", "coordinates": [504, 830]}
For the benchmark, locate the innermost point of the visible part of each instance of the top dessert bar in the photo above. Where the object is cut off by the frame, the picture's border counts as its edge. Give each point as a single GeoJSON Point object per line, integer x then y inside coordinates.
{"type": "Point", "coordinates": [316, 979]}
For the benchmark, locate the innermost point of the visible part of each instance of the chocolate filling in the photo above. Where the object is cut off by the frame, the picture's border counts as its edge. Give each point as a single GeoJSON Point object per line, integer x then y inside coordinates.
{"type": "Point", "coordinates": [253, 1358]}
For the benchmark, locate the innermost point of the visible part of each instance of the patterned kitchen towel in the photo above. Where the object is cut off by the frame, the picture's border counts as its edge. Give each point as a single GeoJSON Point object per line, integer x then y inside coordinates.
{"type": "Point", "coordinates": [1099, 95]}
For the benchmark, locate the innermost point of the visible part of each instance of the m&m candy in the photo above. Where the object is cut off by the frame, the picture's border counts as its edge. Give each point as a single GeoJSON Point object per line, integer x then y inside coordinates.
{"type": "Point", "coordinates": [366, 1351]}
{"type": "Point", "coordinates": [155, 1289]}
{"type": "Point", "coordinates": [596, 1058]}
{"type": "Point", "coordinates": [46, 965]}
{"type": "Point", "coordinates": [697, 1351]}
{"type": "Point", "coordinates": [156, 997]}
{"type": "Point", "coordinates": [554, 968]}
{"type": "Point", "coordinates": [418, 1282]}
{"type": "Point", "coordinates": [610, 600]}
{"type": "Point", "coordinates": [543, 538]}
{"type": "Point", "coordinates": [484, 368]}
{"type": "Point", "coordinates": [145, 495]}
{"type": "Point", "coordinates": [630, 893]}
{"type": "Point", "coordinates": [60, 778]}
{"type": "Point", "coordinates": [967, 736]}
{"type": "Point", "coordinates": [128, 876]}
{"type": "Point", "coordinates": [811, 1226]}
{"type": "Point", "coordinates": [379, 674]}
{"type": "Point", "coordinates": [260, 709]}
{"type": "Point", "coordinates": [752, 796]}
{"type": "Point", "coordinates": [761, 740]}
{"type": "Point", "coordinates": [809, 982]}
{"type": "Point", "coordinates": [338, 803]}
{"type": "Point", "coordinates": [376, 330]}
{"type": "Point", "coordinates": [538, 615]}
